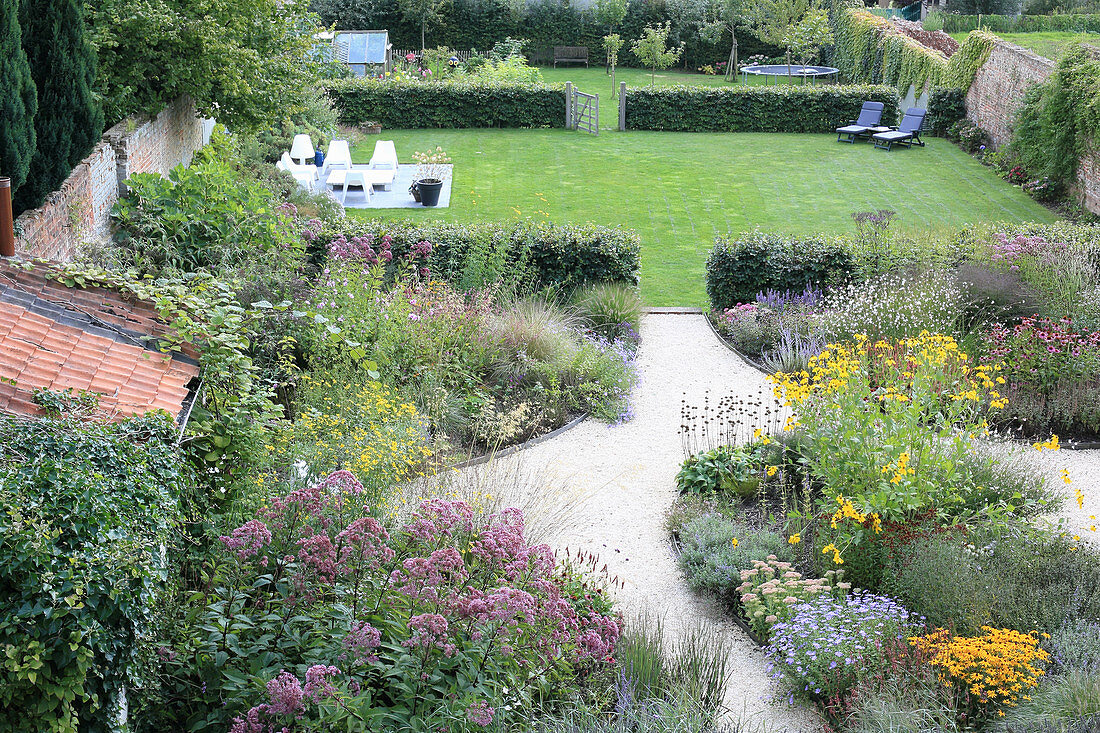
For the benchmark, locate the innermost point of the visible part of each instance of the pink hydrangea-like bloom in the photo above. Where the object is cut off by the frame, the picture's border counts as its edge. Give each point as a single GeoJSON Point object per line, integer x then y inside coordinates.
{"type": "Point", "coordinates": [438, 518]}
{"type": "Point", "coordinates": [318, 554]}
{"type": "Point", "coordinates": [248, 539]}
{"type": "Point", "coordinates": [365, 539]}
{"type": "Point", "coordinates": [317, 685]}
{"type": "Point", "coordinates": [479, 713]}
{"type": "Point", "coordinates": [359, 644]}
{"type": "Point", "coordinates": [430, 631]}
{"type": "Point", "coordinates": [285, 695]}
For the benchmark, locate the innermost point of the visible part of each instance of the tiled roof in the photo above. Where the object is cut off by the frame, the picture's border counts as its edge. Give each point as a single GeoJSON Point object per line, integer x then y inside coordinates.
{"type": "Point", "coordinates": [56, 337]}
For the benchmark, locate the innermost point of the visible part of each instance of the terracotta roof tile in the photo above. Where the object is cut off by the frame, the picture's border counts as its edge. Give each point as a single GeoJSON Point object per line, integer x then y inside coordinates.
{"type": "Point", "coordinates": [52, 336]}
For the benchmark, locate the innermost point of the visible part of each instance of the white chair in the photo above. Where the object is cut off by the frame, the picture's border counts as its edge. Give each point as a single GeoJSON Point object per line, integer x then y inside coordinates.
{"type": "Point", "coordinates": [301, 150]}
{"type": "Point", "coordinates": [338, 156]}
{"type": "Point", "coordinates": [384, 159]}
{"type": "Point", "coordinates": [305, 175]}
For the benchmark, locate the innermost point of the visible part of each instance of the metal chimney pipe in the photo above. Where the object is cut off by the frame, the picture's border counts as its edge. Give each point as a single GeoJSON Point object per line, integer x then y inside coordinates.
{"type": "Point", "coordinates": [7, 231]}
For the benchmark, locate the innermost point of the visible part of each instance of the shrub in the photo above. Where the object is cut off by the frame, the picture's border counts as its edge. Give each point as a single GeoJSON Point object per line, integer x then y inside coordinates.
{"type": "Point", "coordinates": [939, 579]}
{"type": "Point", "coordinates": [86, 512]}
{"type": "Point", "coordinates": [752, 108]}
{"type": "Point", "coordinates": [373, 628]}
{"type": "Point", "coordinates": [532, 256]}
{"type": "Point", "coordinates": [1076, 646]}
{"type": "Point", "coordinates": [457, 104]}
{"type": "Point", "coordinates": [737, 269]}
{"type": "Point", "coordinates": [714, 549]}
{"type": "Point", "coordinates": [829, 644]}
{"type": "Point", "coordinates": [1074, 23]}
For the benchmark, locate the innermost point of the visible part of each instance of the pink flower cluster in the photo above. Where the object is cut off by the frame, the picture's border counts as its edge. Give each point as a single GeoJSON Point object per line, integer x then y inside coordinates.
{"type": "Point", "coordinates": [361, 249]}
{"type": "Point", "coordinates": [450, 580]}
{"type": "Point", "coordinates": [479, 713]}
{"type": "Point", "coordinates": [1009, 250]}
{"type": "Point", "coordinates": [1043, 351]}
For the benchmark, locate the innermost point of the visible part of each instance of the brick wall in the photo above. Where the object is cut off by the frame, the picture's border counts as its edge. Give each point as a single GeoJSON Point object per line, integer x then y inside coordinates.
{"type": "Point", "coordinates": [80, 210]}
{"type": "Point", "coordinates": [998, 92]}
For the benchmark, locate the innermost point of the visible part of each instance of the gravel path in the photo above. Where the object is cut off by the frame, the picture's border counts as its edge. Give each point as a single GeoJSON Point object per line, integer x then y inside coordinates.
{"type": "Point", "coordinates": [621, 480]}
{"type": "Point", "coordinates": [1084, 473]}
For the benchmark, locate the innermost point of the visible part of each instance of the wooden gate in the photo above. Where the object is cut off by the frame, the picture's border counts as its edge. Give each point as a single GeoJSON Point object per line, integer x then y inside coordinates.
{"type": "Point", "coordinates": [586, 112]}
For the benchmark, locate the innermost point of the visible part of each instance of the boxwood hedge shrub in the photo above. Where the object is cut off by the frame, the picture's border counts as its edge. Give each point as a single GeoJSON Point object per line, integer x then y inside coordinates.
{"type": "Point", "coordinates": [740, 267]}
{"type": "Point", "coordinates": [533, 255]}
{"type": "Point", "coordinates": [780, 108]}
{"type": "Point", "coordinates": [85, 514]}
{"type": "Point", "coordinates": [450, 104]}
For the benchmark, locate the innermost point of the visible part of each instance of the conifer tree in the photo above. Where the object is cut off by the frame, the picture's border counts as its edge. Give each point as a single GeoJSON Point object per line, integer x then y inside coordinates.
{"type": "Point", "coordinates": [18, 99]}
{"type": "Point", "coordinates": [69, 119]}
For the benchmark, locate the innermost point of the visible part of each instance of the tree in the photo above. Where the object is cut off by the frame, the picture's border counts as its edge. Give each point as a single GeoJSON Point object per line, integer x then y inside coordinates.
{"type": "Point", "coordinates": [69, 120]}
{"type": "Point", "coordinates": [799, 26]}
{"type": "Point", "coordinates": [18, 100]}
{"type": "Point", "coordinates": [728, 14]}
{"type": "Point", "coordinates": [610, 13]}
{"type": "Point", "coordinates": [423, 13]}
{"type": "Point", "coordinates": [613, 44]}
{"type": "Point", "coordinates": [245, 62]}
{"type": "Point", "coordinates": [652, 49]}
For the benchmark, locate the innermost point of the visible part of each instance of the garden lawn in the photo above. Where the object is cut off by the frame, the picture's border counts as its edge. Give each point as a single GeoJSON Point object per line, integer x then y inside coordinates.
{"type": "Point", "coordinates": [678, 190]}
{"type": "Point", "coordinates": [594, 80]}
{"type": "Point", "coordinates": [1049, 45]}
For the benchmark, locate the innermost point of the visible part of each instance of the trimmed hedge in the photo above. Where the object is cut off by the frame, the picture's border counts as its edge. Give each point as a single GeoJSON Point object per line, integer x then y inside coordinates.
{"type": "Point", "coordinates": [739, 268]}
{"type": "Point", "coordinates": [780, 108]}
{"type": "Point", "coordinates": [541, 255]}
{"type": "Point", "coordinates": [449, 104]}
{"type": "Point", "coordinates": [1075, 23]}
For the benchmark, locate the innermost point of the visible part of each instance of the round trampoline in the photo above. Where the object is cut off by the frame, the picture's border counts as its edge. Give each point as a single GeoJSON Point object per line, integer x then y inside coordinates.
{"type": "Point", "coordinates": [794, 71]}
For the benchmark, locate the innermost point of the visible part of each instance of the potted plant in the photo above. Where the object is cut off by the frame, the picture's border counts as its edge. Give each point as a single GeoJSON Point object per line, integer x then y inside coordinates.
{"type": "Point", "coordinates": [432, 168]}
{"type": "Point", "coordinates": [371, 127]}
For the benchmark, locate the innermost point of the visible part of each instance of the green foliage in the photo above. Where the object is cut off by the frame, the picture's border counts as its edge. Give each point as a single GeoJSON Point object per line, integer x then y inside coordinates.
{"type": "Point", "coordinates": [1077, 645]}
{"type": "Point", "coordinates": [1064, 704]}
{"type": "Point", "coordinates": [452, 105]}
{"type": "Point", "coordinates": [610, 12]}
{"type": "Point", "coordinates": [652, 48]}
{"type": "Point", "coordinates": [799, 26]}
{"type": "Point", "coordinates": [755, 108]}
{"type": "Point", "coordinates": [1060, 118]}
{"type": "Point", "coordinates": [423, 13]}
{"type": "Point", "coordinates": [1076, 23]}
{"type": "Point", "coordinates": [69, 120]}
{"type": "Point", "coordinates": [18, 100]}
{"type": "Point", "coordinates": [85, 515]}
{"type": "Point", "coordinates": [539, 255]}
{"type": "Point", "coordinates": [245, 62]}
{"type": "Point", "coordinates": [987, 7]}
{"type": "Point", "coordinates": [938, 578]}
{"type": "Point", "coordinates": [316, 118]}
{"type": "Point", "coordinates": [870, 50]}
{"type": "Point", "coordinates": [203, 217]}
{"type": "Point", "coordinates": [737, 269]}
{"type": "Point", "coordinates": [727, 468]}
{"type": "Point", "coordinates": [946, 106]}
{"type": "Point", "coordinates": [713, 563]}
{"type": "Point", "coordinates": [611, 309]}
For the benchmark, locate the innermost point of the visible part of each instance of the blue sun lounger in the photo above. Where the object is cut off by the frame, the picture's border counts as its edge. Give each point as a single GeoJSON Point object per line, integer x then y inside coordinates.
{"type": "Point", "coordinates": [869, 116]}
{"type": "Point", "coordinates": [907, 133]}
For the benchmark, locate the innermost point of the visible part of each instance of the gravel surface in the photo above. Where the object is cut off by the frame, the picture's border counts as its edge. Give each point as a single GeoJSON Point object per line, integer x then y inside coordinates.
{"type": "Point", "coordinates": [621, 481]}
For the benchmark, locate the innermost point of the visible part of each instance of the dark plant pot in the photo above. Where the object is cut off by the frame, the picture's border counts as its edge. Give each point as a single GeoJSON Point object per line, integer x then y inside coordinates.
{"type": "Point", "coordinates": [429, 191]}
{"type": "Point", "coordinates": [414, 189]}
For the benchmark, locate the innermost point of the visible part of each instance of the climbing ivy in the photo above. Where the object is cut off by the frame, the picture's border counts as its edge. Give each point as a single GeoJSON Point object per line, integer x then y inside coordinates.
{"type": "Point", "coordinates": [870, 50]}
{"type": "Point", "coordinates": [1060, 118]}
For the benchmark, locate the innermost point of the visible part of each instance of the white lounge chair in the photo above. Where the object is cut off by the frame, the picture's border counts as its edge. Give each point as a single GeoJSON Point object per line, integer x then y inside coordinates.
{"type": "Point", "coordinates": [305, 175]}
{"type": "Point", "coordinates": [385, 159]}
{"type": "Point", "coordinates": [338, 157]}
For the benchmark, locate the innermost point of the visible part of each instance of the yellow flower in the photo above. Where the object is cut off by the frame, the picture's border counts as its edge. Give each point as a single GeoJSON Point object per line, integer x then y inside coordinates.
{"type": "Point", "coordinates": [772, 470]}
{"type": "Point", "coordinates": [735, 542]}
{"type": "Point", "coordinates": [794, 539]}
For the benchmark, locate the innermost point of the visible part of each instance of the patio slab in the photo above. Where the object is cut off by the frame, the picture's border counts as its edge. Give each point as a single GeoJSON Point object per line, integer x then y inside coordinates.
{"type": "Point", "coordinates": [398, 197]}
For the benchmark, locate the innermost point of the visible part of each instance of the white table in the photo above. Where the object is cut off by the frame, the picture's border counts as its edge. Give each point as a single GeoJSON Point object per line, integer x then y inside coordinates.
{"type": "Point", "coordinates": [368, 179]}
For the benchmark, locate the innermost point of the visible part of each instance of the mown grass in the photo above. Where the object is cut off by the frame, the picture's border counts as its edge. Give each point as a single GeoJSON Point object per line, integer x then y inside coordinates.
{"type": "Point", "coordinates": [679, 190]}
{"type": "Point", "coordinates": [1049, 45]}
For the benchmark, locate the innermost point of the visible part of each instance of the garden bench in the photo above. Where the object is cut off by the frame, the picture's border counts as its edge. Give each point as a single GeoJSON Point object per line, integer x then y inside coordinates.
{"type": "Point", "coordinates": [571, 55]}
